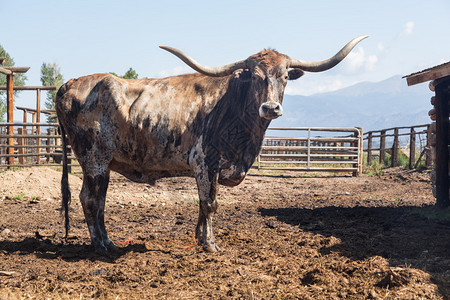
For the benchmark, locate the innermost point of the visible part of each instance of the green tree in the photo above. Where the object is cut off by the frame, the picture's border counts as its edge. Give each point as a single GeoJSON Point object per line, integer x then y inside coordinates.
{"type": "Point", "coordinates": [130, 74]}
{"type": "Point", "coordinates": [51, 76]}
{"type": "Point", "coordinates": [18, 80]}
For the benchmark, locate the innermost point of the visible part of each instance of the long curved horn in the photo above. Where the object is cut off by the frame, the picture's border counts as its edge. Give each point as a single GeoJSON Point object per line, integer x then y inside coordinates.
{"type": "Point", "coordinates": [319, 66]}
{"type": "Point", "coordinates": [206, 70]}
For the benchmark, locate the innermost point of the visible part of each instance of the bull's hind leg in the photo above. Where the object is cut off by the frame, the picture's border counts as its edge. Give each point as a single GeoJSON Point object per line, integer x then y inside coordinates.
{"type": "Point", "coordinates": [93, 196]}
{"type": "Point", "coordinates": [207, 191]}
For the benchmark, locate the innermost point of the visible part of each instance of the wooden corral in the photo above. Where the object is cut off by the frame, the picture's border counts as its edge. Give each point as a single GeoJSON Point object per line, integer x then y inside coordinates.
{"type": "Point", "coordinates": [9, 72]}
{"type": "Point", "coordinates": [417, 135]}
{"type": "Point", "coordinates": [32, 147]}
{"type": "Point", "coordinates": [313, 153]}
{"type": "Point", "coordinates": [24, 143]}
{"type": "Point", "coordinates": [439, 139]}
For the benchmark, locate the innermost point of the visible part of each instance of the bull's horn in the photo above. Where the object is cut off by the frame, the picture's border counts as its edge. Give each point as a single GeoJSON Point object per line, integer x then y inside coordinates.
{"type": "Point", "coordinates": [319, 66]}
{"type": "Point", "coordinates": [206, 70]}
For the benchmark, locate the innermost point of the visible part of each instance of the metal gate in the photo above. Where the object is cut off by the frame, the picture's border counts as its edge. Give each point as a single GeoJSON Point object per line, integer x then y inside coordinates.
{"type": "Point", "coordinates": [302, 149]}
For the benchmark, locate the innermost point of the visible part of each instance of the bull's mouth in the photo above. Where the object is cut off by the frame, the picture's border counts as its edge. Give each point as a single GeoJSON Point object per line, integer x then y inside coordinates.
{"type": "Point", "coordinates": [271, 116]}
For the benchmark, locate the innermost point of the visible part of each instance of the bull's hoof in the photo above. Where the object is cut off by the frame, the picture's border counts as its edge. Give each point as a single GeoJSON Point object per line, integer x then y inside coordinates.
{"type": "Point", "coordinates": [211, 248]}
{"type": "Point", "coordinates": [113, 249]}
{"type": "Point", "coordinates": [107, 250]}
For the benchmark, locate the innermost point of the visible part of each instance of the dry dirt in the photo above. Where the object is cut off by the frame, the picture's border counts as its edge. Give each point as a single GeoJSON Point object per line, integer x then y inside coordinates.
{"type": "Point", "coordinates": [283, 235]}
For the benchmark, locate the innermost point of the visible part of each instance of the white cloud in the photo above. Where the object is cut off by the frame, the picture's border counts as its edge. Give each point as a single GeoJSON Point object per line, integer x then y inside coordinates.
{"type": "Point", "coordinates": [313, 86]}
{"type": "Point", "coordinates": [407, 29]}
{"type": "Point", "coordinates": [358, 61]}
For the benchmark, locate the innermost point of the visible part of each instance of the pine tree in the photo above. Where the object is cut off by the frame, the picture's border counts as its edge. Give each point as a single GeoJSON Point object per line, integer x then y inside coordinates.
{"type": "Point", "coordinates": [130, 74]}
{"type": "Point", "coordinates": [51, 76]}
{"type": "Point", "coordinates": [18, 80]}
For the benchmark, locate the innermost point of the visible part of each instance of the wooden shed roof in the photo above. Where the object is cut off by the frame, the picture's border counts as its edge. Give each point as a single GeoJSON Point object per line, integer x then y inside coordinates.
{"type": "Point", "coordinates": [429, 74]}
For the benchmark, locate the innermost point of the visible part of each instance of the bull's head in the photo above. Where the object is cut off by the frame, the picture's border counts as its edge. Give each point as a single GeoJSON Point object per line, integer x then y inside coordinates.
{"type": "Point", "coordinates": [269, 72]}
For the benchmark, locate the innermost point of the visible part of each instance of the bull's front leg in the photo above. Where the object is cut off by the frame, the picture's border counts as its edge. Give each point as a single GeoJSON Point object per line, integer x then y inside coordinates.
{"type": "Point", "coordinates": [207, 184]}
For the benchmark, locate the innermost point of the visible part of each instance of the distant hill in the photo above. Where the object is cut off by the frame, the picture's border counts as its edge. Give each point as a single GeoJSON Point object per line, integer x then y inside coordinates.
{"type": "Point", "coordinates": [371, 105]}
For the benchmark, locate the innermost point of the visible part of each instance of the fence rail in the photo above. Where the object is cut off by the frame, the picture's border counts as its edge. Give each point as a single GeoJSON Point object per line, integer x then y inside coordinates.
{"type": "Point", "coordinates": [313, 153]}
{"type": "Point", "coordinates": [418, 141]}
{"type": "Point", "coordinates": [31, 146]}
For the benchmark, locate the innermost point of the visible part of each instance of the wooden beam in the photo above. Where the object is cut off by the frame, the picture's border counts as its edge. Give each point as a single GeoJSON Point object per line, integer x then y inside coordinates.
{"type": "Point", "coordinates": [5, 71]}
{"type": "Point", "coordinates": [31, 88]}
{"type": "Point", "coordinates": [17, 69]}
{"type": "Point", "coordinates": [32, 110]}
{"type": "Point", "coordinates": [427, 75]}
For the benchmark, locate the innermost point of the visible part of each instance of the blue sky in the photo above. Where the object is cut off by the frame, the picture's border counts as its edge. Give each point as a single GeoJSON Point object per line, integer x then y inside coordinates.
{"type": "Point", "coordinates": [85, 37]}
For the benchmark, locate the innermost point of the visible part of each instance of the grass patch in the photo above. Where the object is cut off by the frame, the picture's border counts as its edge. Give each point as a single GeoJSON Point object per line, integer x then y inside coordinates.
{"type": "Point", "coordinates": [375, 167]}
{"type": "Point", "coordinates": [19, 197]}
{"type": "Point", "coordinates": [432, 213]}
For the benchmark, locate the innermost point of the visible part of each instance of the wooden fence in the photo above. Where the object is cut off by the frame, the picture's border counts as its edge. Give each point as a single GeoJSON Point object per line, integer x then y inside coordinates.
{"type": "Point", "coordinates": [32, 144]}
{"type": "Point", "coordinates": [313, 153]}
{"type": "Point", "coordinates": [388, 140]}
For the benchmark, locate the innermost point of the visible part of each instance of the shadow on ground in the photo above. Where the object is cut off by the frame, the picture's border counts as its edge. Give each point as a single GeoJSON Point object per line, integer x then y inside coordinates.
{"type": "Point", "coordinates": [49, 249]}
{"type": "Point", "coordinates": [398, 234]}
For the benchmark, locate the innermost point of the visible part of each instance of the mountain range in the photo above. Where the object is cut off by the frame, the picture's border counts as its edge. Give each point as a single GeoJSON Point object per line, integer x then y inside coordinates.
{"type": "Point", "coordinates": [371, 105]}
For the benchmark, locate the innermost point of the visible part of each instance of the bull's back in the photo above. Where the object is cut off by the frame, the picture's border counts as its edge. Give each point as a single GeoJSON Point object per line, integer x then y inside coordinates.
{"type": "Point", "coordinates": [95, 113]}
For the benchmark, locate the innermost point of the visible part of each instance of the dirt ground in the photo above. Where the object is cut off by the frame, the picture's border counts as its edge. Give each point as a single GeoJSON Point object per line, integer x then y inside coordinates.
{"type": "Point", "coordinates": [284, 235]}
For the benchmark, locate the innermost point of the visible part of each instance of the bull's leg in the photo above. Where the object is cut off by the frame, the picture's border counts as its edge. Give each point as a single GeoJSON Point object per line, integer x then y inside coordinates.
{"type": "Point", "coordinates": [207, 191]}
{"type": "Point", "coordinates": [93, 196]}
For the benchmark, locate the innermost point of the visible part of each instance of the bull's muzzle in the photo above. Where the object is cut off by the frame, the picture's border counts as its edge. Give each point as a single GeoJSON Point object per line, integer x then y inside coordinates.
{"type": "Point", "coordinates": [270, 110]}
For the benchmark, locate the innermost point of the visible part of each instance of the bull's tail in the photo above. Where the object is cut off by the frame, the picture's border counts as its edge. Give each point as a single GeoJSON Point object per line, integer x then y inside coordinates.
{"type": "Point", "coordinates": [65, 189]}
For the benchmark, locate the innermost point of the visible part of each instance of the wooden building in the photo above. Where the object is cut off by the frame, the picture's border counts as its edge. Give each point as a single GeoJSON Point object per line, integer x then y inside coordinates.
{"type": "Point", "coordinates": [439, 114]}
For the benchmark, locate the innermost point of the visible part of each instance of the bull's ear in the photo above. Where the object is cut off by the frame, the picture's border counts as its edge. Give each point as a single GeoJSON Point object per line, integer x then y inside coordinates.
{"type": "Point", "coordinates": [295, 74]}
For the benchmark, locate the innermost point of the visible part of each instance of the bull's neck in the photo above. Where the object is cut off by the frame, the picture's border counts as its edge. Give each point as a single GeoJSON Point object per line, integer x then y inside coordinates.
{"type": "Point", "coordinates": [234, 130]}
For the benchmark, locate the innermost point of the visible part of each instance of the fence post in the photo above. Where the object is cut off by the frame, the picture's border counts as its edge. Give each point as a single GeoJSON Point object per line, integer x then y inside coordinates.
{"type": "Point", "coordinates": [428, 160]}
{"type": "Point", "coordinates": [38, 120]}
{"type": "Point", "coordinates": [360, 151]}
{"type": "Point", "coordinates": [9, 115]}
{"type": "Point", "coordinates": [412, 148]}
{"type": "Point", "coordinates": [20, 142]}
{"type": "Point", "coordinates": [48, 143]}
{"type": "Point", "coordinates": [369, 148]}
{"type": "Point", "coordinates": [395, 149]}
{"type": "Point", "coordinates": [382, 145]}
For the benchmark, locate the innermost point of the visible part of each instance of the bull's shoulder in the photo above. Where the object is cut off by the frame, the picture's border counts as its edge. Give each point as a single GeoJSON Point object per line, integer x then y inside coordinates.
{"type": "Point", "coordinates": [82, 85]}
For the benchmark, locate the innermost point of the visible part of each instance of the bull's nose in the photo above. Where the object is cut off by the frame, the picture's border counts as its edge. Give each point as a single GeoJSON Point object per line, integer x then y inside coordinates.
{"type": "Point", "coordinates": [270, 110]}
